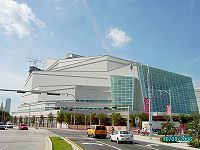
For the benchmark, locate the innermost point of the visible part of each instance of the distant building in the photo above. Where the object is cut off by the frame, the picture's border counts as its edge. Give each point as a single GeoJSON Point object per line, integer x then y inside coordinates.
{"type": "Point", "coordinates": [103, 83]}
{"type": "Point", "coordinates": [8, 104]}
{"type": "Point", "coordinates": [197, 93]}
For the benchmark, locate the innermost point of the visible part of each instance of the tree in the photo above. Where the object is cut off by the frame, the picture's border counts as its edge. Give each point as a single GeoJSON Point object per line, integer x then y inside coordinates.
{"type": "Point", "coordinates": [132, 118]}
{"type": "Point", "coordinates": [80, 119]}
{"type": "Point", "coordinates": [116, 119]}
{"type": "Point", "coordinates": [26, 120]}
{"type": "Point", "coordinates": [166, 118]}
{"type": "Point", "coordinates": [60, 117]}
{"type": "Point", "coordinates": [33, 120]}
{"type": "Point", "coordinates": [15, 120]}
{"type": "Point", "coordinates": [67, 118]}
{"type": "Point", "coordinates": [103, 118]}
{"type": "Point", "coordinates": [4, 116]}
{"type": "Point", "coordinates": [41, 121]}
{"type": "Point", "coordinates": [20, 119]}
{"type": "Point", "coordinates": [183, 119]}
{"type": "Point", "coordinates": [194, 126]}
{"type": "Point", "coordinates": [143, 117]}
{"type": "Point", "coordinates": [50, 119]}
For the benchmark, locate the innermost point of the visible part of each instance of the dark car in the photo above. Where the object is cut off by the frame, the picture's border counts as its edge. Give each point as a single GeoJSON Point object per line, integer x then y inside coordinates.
{"type": "Point", "coordinates": [23, 127]}
{"type": "Point", "coordinates": [2, 126]}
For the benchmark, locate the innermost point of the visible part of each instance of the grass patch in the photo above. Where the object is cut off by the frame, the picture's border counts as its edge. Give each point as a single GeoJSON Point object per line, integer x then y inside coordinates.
{"type": "Point", "coordinates": [60, 144]}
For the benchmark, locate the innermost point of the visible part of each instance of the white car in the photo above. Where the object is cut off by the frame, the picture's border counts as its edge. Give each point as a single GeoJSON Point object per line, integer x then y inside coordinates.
{"type": "Point", "coordinates": [9, 125]}
{"type": "Point", "coordinates": [121, 136]}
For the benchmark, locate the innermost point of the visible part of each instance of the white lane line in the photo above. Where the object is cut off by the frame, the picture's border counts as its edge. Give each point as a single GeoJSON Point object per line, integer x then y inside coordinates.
{"type": "Point", "coordinates": [109, 145]}
{"type": "Point", "coordinates": [92, 143]}
{"type": "Point", "coordinates": [147, 147]}
{"type": "Point", "coordinates": [152, 145]}
{"type": "Point", "coordinates": [4, 147]}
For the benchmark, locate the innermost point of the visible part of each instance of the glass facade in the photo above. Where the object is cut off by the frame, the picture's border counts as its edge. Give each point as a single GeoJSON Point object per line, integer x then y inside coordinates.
{"type": "Point", "coordinates": [122, 91]}
{"type": "Point", "coordinates": [183, 98]}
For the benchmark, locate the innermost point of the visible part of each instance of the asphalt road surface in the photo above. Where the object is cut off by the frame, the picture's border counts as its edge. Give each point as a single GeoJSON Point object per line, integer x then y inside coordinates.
{"type": "Point", "coordinates": [14, 139]}
{"type": "Point", "coordinates": [86, 143]}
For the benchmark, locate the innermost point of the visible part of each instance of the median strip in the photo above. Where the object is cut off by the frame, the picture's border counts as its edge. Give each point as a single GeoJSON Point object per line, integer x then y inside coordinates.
{"type": "Point", "coordinates": [79, 148]}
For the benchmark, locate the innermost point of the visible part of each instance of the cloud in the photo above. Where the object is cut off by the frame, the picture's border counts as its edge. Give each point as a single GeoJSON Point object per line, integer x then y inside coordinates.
{"type": "Point", "coordinates": [17, 18]}
{"type": "Point", "coordinates": [118, 37]}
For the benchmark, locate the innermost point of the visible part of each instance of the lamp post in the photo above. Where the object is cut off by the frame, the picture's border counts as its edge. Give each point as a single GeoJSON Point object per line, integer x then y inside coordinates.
{"type": "Point", "coordinates": [149, 97]}
{"type": "Point", "coordinates": [74, 109]}
{"type": "Point", "coordinates": [128, 119]}
{"type": "Point", "coordinates": [170, 101]}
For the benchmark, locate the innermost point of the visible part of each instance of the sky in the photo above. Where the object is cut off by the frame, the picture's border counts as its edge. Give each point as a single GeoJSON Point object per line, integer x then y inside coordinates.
{"type": "Point", "coordinates": [161, 33]}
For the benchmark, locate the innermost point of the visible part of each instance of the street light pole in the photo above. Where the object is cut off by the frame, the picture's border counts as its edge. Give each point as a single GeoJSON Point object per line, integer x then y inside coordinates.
{"type": "Point", "coordinates": [149, 96]}
{"type": "Point", "coordinates": [128, 119]}
{"type": "Point", "coordinates": [74, 109]}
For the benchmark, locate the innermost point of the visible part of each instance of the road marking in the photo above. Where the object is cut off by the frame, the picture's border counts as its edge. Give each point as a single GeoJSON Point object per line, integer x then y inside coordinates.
{"type": "Point", "coordinates": [152, 145]}
{"type": "Point", "coordinates": [109, 145]}
{"type": "Point", "coordinates": [147, 146]}
{"type": "Point", "coordinates": [4, 147]}
{"type": "Point", "coordinates": [93, 144]}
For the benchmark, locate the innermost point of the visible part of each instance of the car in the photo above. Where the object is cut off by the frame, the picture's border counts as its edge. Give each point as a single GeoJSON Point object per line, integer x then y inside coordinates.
{"type": "Point", "coordinates": [121, 136]}
{"type": "Point", "coordinates": [23, 127]}
{"type": "Point", "coordinates": [9, 125]}
{"type": "Point", "coordinates": [2, 126]}
{"type": "Point", "coordinates": [97, 131]}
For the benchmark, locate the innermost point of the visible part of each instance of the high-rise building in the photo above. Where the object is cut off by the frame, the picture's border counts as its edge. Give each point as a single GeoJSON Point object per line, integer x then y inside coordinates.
{"type": "Point", "coordinates": [197, 93]}
{"type": "Point", "coordinates": [106, 83]}
{"type": "Point", "coordinates": [8, 104]}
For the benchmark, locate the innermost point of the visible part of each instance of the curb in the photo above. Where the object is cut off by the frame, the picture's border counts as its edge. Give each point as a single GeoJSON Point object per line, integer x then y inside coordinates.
{"type": "Point", "coordinates": [157, 141]}
{"type": "Point", "coordinates": [74, 145]}
{"type": "Point", "coordinates": [47, 144]}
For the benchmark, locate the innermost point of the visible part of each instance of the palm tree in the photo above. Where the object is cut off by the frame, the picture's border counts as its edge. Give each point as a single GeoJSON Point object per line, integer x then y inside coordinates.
{"type": "Point", "coordinates": [33, 120]}
{"type": "Point", "coordinates": [60, 117]}
{"type": "Point", "coordinates": [102, 119]}
{"type": "Point", "coordinates": [20, 119]}
{"type": "Point", "coordinates": [67, 118]}
{"type": "Point", "coordinates": [15, 120]}
{"type": "Point", "coordinates": [132, 118]}
{"type": "Point", "coordinates": [116, 119]}
{"type": "Point", "coordinates": [41, 121]}
{"type": "Point", "coordinates": [26, 120]}
{"type": "Point", "coordinates": [50, 119]}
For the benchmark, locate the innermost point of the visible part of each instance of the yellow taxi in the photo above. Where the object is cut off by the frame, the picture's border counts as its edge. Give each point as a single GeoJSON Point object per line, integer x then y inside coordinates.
{"type": "Point", "coordinates": [97, 131]}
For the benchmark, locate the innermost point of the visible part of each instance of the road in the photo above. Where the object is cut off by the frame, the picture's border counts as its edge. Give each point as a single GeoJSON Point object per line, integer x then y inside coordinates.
{"type": "Point", "coordinates": [14, 139]}
{"type": "Point", "coordinates": [104, 144]}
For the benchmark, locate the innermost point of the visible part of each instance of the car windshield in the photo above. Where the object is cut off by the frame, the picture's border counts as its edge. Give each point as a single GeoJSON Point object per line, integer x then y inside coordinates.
{"type": "Point", "coordinates": [1, 123]}
{"type": "Point", "coordinates": [124, 132]}
{"type": "Point", "coordinates": [23, 125]}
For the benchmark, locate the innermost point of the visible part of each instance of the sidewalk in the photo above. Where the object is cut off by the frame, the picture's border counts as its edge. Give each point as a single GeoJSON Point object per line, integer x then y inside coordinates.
{"type": "Point", "coordinates": [156, 140]}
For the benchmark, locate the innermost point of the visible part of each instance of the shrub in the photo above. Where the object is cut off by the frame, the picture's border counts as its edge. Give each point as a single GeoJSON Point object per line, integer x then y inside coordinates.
{"type": "Point", "coordinates": [194, 143]}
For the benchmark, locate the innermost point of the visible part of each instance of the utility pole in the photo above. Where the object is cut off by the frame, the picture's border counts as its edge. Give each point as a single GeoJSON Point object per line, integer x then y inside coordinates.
{"type": "Point", "coordinates": [128, 119]}
{"type": "Point", "coordinates": [90, 118]}
{"type": "Point", "coordinates": [149, 96]}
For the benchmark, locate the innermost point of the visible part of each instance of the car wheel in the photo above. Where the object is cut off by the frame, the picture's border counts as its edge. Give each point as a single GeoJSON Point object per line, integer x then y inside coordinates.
{"type": "Point", "coordinates": [117, 141]}
{"type": "Point", "coordinates": [88, 135]}
{"type": "Point", "coordinates": [131, 142]}
{"type": "Point", "coordinates": [111, 139]}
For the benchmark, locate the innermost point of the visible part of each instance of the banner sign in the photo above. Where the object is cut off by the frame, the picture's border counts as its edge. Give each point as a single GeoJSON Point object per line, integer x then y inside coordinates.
{"type": "Point", "coordinates": [146, 105]}
{"type": "Point", "coordinates": [178, 138]}
{"type": "Point", "coordinates": [168, 109]}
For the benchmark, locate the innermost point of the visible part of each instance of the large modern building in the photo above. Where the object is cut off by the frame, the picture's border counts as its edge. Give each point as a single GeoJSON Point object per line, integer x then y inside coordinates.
{"type": "Point", "coordinates": [105, 83]}
{"type": "Point", "coordinates": [197, 93]}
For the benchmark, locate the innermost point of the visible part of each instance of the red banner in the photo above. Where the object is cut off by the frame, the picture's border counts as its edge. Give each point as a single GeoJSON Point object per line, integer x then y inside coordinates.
{"type": "Point", "coordinates": [146, 106]}
{"type": "Point", "coordinates": [168, 109]}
